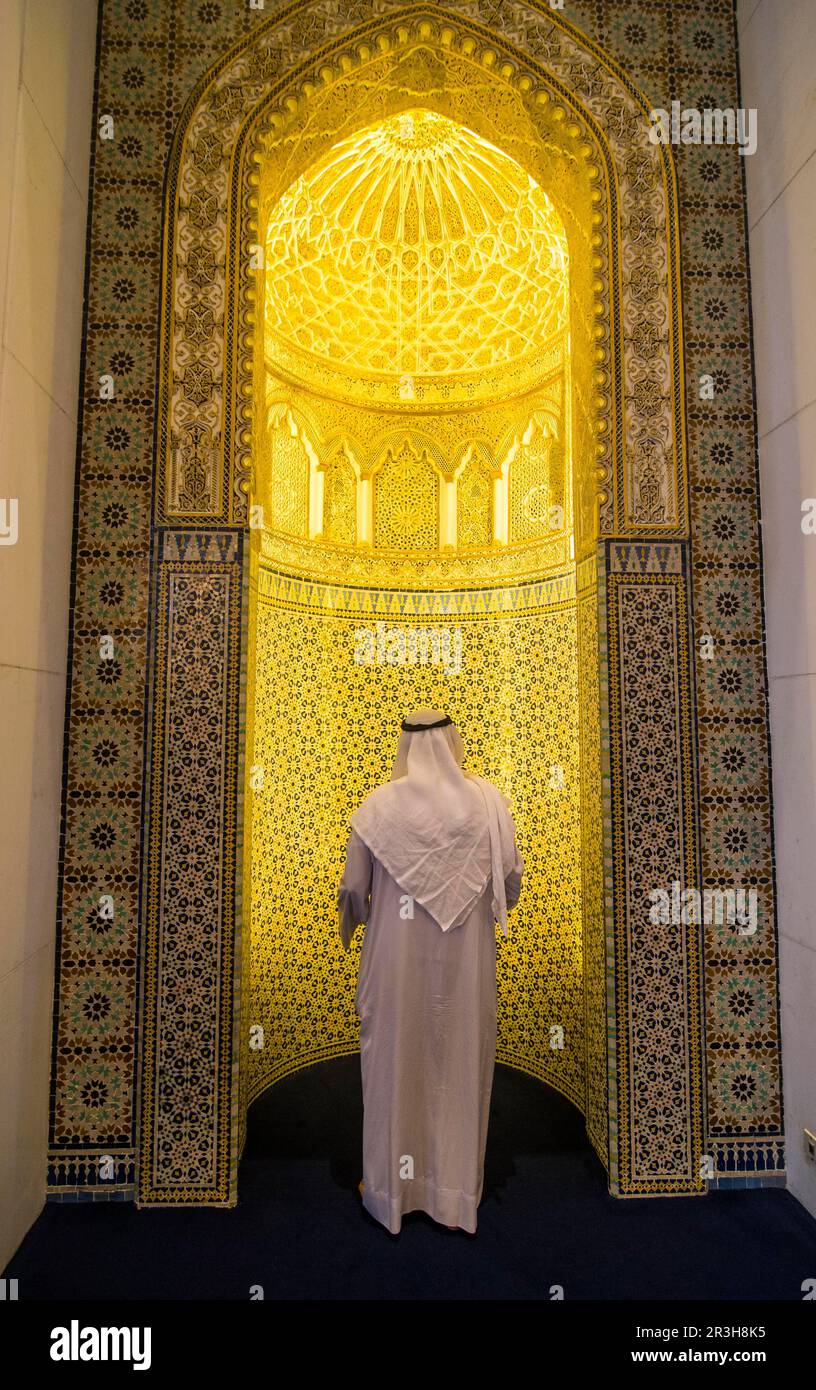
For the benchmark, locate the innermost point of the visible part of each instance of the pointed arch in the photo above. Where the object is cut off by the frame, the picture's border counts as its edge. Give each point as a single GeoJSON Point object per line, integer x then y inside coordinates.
{"type": "Point", "coordinates": [557, 104]}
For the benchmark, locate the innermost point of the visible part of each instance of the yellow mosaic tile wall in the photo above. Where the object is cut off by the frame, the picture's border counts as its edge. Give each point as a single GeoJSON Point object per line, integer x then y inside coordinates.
{"type": "Point", "coordinates": [326, 728]}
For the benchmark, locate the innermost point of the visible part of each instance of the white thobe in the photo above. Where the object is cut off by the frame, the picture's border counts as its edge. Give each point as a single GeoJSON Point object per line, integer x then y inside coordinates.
{"type": "Point", "coordinates": [426, 1000]}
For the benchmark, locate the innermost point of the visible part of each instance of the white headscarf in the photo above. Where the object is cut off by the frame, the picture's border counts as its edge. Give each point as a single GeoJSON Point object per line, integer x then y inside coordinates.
{"type": "Point", "coordinates": [440, 832]}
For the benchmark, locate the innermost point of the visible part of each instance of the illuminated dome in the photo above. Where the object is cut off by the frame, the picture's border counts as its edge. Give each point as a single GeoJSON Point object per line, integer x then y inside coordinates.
{"type": "Point", "coordinates": [414, 265]}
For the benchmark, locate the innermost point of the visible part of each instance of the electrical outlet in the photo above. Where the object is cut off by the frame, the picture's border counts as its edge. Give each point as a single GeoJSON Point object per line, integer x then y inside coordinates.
{"type": "Point", "coordinates": [810, 1145]}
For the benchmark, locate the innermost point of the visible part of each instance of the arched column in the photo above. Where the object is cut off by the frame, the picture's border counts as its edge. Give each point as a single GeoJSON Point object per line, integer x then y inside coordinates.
{"type": "Point", "coordinates": [501, 503]}
{"type": "Point", "coordinates": [447, 513]}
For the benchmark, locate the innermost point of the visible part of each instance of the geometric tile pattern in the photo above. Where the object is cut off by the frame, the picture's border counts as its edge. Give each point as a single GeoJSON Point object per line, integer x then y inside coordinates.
{"type": "Point", "coordinates": [152, 53]}
{"type": "Point", "coordinates": [514, 691]}
{"type": "Point", "coordinates": [190, 987]}
{"type": "Point", "coordinates": [657, 965]}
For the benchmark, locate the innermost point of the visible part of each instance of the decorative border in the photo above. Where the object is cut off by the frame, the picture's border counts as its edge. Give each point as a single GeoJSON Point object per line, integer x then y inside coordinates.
{"type": "Point", "coordinates": [69, 1171]}
{"type": "Point", "coordinates": [192, 872]}
{"type": "Point", "coordinates": [658, 998]}
{"type": "Point", "coordinates": [294, 593]}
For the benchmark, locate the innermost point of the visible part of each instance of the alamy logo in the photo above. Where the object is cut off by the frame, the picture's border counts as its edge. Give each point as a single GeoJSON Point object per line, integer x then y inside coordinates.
{"type": "Point", "coordinates": [711, 126]}
{"type": "Point", "coordinates": [102, 1344]}
{"type": "Point", "coordinates": [411, 646]}
{"type": "Point", "coordinates": [733, 907]}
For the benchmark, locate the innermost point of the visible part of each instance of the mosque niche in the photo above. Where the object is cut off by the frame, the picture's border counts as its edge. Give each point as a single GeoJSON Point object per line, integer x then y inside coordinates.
{"type": "Point", "coordinates": [416, 378]}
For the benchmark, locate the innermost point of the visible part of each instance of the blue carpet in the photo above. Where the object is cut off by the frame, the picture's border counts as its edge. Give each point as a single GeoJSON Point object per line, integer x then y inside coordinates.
{"type": "Point", "coordinates": [299, 1230]}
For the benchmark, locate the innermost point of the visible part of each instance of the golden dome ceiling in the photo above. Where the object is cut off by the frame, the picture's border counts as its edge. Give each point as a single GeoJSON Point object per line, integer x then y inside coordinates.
{"type": "Point", "coordinates": [414, 265]}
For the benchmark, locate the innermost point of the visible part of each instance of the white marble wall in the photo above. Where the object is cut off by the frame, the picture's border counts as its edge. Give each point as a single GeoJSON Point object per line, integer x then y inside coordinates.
{"type": "Point", "coordinates": [778, 65]}
{"type": "Point", "coordinates": [46, 85]}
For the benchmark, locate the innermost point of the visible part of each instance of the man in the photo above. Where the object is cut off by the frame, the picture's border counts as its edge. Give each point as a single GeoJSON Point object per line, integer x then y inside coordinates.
{"type": "Point", "coordinates": [431, 863]}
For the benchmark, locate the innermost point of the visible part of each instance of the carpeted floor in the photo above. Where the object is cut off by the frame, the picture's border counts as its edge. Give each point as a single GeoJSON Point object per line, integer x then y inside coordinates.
{"type": "Point", "coordinates": [299, 1230]}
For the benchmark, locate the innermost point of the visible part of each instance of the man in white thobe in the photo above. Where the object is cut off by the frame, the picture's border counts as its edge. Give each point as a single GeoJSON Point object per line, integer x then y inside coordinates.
{"type": "Point", "coordinates": [431, 864]}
